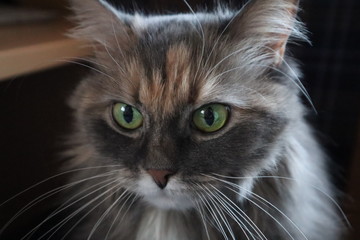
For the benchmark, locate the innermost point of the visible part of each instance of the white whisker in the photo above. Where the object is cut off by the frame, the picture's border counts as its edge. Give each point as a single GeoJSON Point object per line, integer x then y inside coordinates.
{"type": "Point", "coordinates": [295, 180]}
{"type": "Point", "coordinates": [66, 205]}
{"type": "Point", "coordinates": [89, 60]}
{"type": "Point", "coordinates": [221, 34]}
{"type": "Point", "coordinates": [200, 210]}
{"type": "Point", "coordinates": [223, 59]}
{"type": "Point", "coordinates": [97, 224]}
{"type": "Point", "coordinates": [117, 40]}
{"type": "Point", "coordinates": [56, 176]}
{"type": "Point", "coordinates": [261, 208]}
{"type": "Point", "coordinates": [118, 213]}
{"type": "Point", "coordinates": [202, 37]}
{"type": "Point", "coordinates": [219, 215]}
{"type": "Point", "coordinates": [113, 59]}
{"type": "Point", "coordinates": [240, 212]}
{"type": "Point", "coordinates": [87, 66]}
{"type": "Point", "coordinates": [217, 222]}
{"type": "Point", "coordinates": [44, 196]}
{"type": "Point", "coordinates": [299, 83]}
{"type": "Point", "coordinates": [132, 202]}
{"type": "Point", "coordinates": [58, 226]}
{"type": "Point", "coordinates": [221, 203]}
{"type": "Point", "coordinates": [237, 220]}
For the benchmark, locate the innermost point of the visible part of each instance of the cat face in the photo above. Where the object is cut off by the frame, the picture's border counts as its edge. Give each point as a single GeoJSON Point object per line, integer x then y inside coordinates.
{"type": "Point", "coordinates": [177, 99]}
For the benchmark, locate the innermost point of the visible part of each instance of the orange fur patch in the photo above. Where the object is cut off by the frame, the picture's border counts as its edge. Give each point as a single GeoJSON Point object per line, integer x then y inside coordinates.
{"type": "Point", "coordinates": [162, 96]}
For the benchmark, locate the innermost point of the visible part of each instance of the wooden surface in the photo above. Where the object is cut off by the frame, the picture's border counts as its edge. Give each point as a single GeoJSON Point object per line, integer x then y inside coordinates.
{"type": "Point", "coordinates": [28, 48]}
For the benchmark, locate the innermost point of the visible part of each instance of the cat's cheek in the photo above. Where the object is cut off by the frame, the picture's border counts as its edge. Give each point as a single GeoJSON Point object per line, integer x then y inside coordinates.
{"type": "Point", "coordinates": [172, 197]}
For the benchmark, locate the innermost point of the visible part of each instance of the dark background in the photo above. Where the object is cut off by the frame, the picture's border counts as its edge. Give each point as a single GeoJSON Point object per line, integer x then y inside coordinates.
{"type": "Point", "coordinates": [34, 117]}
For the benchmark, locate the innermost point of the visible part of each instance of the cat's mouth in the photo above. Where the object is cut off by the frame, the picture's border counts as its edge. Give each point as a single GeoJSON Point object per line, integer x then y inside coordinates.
{"type": "Point", "coordinates": [174, 196]}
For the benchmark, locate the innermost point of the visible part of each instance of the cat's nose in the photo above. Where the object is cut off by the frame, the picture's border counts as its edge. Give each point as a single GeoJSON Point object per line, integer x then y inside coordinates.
{"type": "Point", "coordinates": [160, 177]}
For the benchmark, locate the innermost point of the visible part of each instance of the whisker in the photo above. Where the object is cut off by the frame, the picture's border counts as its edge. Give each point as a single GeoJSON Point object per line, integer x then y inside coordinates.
{"type": "Point", "coordinates": [97, 224]}
{"type": "Point", "coordinates": [78, 222]}
{"type": "Point", "coordinates": [66, 205]}
{"type": "Point", "coordinates": [218, 39]}
{"type": "Point", "coordinates": [236, 68]}
{"type": "Point", "coordinates": [227, 26]}
{"type": "Point", "coordinates": [223, 59]}
{"type": "Point", "coordinates": [230, 211]}
{"type": "Point", "coordinates": [217, 223]}
{"type": "Point", "coordinates": [297, 81]}
{"type": "Point", "coordinates": [89, 67]}
{"type": "Point", "coordinates": [132, 202]}
{"type": "Point", "coordinates": [202, 36]}
{"type": "Point", "coordinates": [44, 196]}
{"type": "Point", "coordinates": [240, 212]}
{"type": "Point", "coordinates": [299, 84]}
{"type": "Point", "coordinates": [215, 208]}
{"type": "Point", "coordinates": [111, 180]}
{"type": "Point", "coordinates": [223, 31]}
{"type": "Point", "coordinates": [261, 208]}
{"type": "Point", "coordinates": [225, 221]}
{"type": "Point", "coordinates": [58, 226]}
{"type": "Point", "coordinates": [207, 218]}
{"type": "Point", "coordinates": [116, 217]}
{"type": "Point", "coordinates": [87, 60]}
{"type": "Point", "coordinates": [277, 221]}
{"type": "Point", "coordinates": [200, 210]}
{"type": "Point", "coordinates": [222, 216]}
{"type": "Point", "coordinates": [118, 213]}
{"type": "Point", "coordinates": [53, 177]}
{"type": "Point", "coordinates": [117, 40]}
{"type": "Point", "coordinates": [112, 58]}
{"type": "Point", "coordinates": [295, 180]}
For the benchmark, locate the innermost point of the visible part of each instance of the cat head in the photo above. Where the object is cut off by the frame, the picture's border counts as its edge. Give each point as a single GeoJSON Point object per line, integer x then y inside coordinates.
{"type": "Point", "coordinates": [176, 100]}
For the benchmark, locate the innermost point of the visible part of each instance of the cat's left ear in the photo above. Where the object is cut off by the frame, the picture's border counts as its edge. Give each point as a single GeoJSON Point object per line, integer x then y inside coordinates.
{"type": "Point", "coordinates": [267, 26]}
{"type": "Point", "coordinates": [101, 24]}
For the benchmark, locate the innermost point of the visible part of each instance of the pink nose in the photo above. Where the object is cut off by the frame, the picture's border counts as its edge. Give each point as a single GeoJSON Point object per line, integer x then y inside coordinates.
{"type": "Point", "coordinates": [160, 177]}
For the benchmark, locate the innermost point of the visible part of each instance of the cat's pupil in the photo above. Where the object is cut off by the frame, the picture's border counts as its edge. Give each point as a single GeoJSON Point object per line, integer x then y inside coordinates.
{"type": "Point", "coordinates": [209, 116]}
{"type": "Point", "coordinates": [128, 114]}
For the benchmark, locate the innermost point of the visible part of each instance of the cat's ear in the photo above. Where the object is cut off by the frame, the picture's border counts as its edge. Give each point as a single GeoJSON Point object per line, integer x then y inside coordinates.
{"type": "Point", "coordinates": [101, 24]}
{"type": "Point", "coordinates": [267, 25]}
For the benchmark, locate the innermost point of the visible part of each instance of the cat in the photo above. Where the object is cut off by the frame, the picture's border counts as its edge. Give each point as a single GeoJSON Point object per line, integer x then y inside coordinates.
{"type": "Point", "coordinates": [192, 126]}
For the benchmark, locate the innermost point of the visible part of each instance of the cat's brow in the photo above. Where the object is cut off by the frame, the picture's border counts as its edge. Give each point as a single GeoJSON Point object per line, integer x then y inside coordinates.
{"type": "Point", "coordinates": [162, 96]}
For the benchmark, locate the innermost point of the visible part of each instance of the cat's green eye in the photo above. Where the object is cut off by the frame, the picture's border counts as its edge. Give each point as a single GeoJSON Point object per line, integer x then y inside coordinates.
{"type": "Point", "coordinates": [211, 118]}
{"type": "Point", "coordinates": [127, 116]}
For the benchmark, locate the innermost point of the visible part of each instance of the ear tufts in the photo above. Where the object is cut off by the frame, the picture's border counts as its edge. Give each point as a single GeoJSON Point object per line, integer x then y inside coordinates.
{"type": "Point", "coordinates": [269, 24]}
{"type": "Point", "coordinates": [99, 23]}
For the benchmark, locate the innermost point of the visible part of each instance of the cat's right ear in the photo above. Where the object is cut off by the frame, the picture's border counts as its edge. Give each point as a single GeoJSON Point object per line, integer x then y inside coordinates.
{"type": "Point", "coordinates": [101, 24]}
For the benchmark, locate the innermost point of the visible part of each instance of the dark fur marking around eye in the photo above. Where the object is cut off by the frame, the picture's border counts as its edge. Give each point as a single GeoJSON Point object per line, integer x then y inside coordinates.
{"type": "Point", "coordinates": [249, 141]}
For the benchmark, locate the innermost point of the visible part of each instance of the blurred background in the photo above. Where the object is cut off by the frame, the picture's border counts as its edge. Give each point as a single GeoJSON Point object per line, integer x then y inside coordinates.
{"type": "Point", "coordinates": [34, 117]}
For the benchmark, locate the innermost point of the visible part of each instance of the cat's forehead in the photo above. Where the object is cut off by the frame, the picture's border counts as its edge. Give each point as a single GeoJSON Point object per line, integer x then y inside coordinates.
{"type": "Point", "coordinates": [170, 66]}
{"type": "Point", "coordinates": [172, 84]}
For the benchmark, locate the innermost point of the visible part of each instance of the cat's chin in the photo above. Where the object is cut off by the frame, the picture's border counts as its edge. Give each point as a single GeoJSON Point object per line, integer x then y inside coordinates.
{"type": "Point", "coordinates": [172, 197]}
{"type": "Point", "coordinates": [165, 202]}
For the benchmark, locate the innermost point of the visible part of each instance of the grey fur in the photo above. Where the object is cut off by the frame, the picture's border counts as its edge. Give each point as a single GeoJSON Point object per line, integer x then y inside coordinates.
{"type": "Point", "coordinates": [266, 152]}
